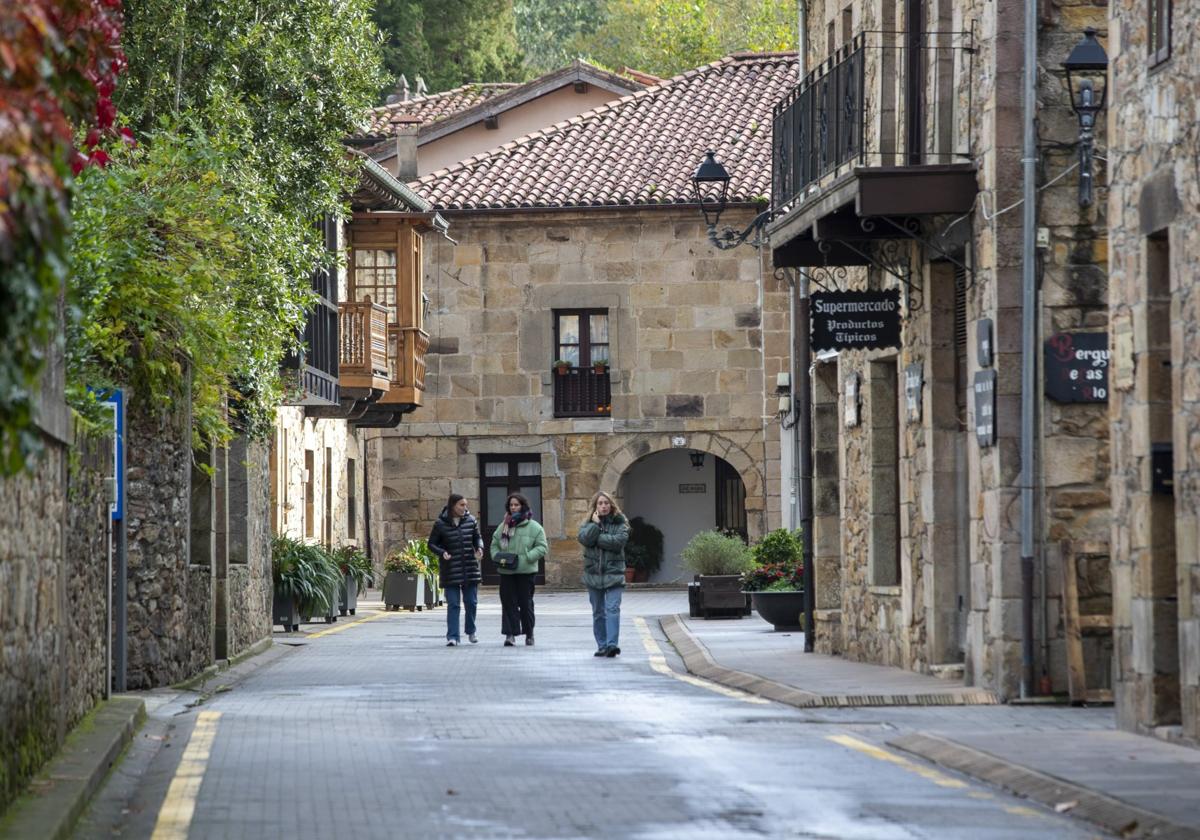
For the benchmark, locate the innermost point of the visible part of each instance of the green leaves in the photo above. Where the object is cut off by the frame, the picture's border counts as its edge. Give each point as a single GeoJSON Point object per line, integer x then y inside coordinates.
{"type": "Point", "coordinates": [307, 573]}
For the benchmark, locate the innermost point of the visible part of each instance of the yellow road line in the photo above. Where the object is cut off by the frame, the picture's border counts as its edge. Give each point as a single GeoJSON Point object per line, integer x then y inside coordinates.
{"type": "Point", "coordinates": [338, 628]}
{"type": "Point", "coordinates": [883, 755]}
{"type": "Point", "coordinates": [175, 816]}
{"type": "Point", "coordinates": [658, 662]}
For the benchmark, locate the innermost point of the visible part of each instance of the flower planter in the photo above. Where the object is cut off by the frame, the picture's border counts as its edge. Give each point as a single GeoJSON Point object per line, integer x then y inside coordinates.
{"type": "Point", "coordinates": [629, 574]}
{"type": "Point", "coordinates": [721, 596]}
{"type": "Point", "coordinates": [348, 601]}
{"type": "Point", "coordinates": [782, 609]}
{"type": "Point", "coordinates": [284, 612]}
{"type": "Point", "coordinates": [433, 595]}
{"type": "Point", "coordinates": [404, 590]}
{"type": "Point", "coordinates": [330, 615]}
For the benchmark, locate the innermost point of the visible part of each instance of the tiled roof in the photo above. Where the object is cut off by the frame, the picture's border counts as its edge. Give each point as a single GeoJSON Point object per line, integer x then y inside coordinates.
{"type": "Point", "coordinates": [430, 108]}
{"type": "Point", "coordinates": [639, 150]}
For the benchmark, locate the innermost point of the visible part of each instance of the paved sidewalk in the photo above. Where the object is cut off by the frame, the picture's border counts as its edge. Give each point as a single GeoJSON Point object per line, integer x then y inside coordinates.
{"type": "Point", "coordinates": [1071, 759]}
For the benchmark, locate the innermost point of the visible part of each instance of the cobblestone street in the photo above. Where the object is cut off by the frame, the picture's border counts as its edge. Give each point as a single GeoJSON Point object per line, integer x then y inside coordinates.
{"type": "Point", "coordinates": [378, 730]}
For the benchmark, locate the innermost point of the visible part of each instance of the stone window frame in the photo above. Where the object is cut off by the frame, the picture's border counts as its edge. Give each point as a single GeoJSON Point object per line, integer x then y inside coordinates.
{"type": "Point", "coordinates": [1159, 17]}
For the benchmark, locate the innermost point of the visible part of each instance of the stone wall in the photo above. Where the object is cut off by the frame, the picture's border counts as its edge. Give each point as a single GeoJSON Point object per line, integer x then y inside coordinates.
{"type": "Point", "coordinates": [249, 570]}
{"type": "Point", "coordinates": [53, 562]}
{"type": "Point", "coordinates": [1154, 300]}
{"type": "Point", "coordinates": [695, 333]}
{"type": "Point", "coordinates": [169, 627]}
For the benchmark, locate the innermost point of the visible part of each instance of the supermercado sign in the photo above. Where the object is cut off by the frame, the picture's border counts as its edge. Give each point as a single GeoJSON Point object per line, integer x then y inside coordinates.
{"type": "Point", "coordinates": [849, 320]}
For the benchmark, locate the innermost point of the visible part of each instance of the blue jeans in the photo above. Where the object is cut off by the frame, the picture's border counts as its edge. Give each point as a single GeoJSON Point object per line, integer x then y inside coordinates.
{"type": "Point", "coordinates": [455, 596]}
{"type": "Point", "coordinates": [606, 616]}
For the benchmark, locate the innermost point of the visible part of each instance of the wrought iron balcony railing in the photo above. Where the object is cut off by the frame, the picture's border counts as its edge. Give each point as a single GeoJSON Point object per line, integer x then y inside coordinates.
{"type": "Point", "coordinates": [820, 125]}
{"type": "Point", "coordinates": [582, 392]}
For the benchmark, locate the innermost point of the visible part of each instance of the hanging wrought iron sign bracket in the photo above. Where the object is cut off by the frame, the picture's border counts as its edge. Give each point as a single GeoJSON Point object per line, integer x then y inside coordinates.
{"type": "Point", "coordinates": [912, 230]}
{"type": "Point", "coordinates": [889, 256]}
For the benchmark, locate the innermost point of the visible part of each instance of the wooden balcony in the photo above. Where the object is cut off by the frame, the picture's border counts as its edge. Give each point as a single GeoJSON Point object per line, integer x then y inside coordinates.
{"type": "Point", "coordinates": [362, 348]}
{"type": "Point", "coordinates": [407, 359]}
{"type": "Point", "coordinates": [582, 392]}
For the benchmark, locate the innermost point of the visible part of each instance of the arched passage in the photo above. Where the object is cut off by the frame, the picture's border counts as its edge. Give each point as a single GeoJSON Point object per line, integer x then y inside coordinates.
{"type": "Point", "coordinates": [681, 499]}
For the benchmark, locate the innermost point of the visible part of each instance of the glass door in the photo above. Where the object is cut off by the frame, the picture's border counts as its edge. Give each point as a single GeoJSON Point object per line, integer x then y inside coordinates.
{"type": "Point", "coordinates": [500, 475]}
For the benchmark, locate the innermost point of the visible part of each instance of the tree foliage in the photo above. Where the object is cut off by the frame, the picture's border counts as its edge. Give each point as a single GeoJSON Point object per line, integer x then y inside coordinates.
{"type": "Point", "coordinates": [450, 44]}
{"type": "Point", "coordinates": [550, 31]}
{"type": "Point", "coordinates": [666, 37]}
{"type": "Point", "coordinates": [184, 273]}
{"type": "Point", "coordinates": [58, 62]}
{"type": "Point", "coordinates": [193, 253]}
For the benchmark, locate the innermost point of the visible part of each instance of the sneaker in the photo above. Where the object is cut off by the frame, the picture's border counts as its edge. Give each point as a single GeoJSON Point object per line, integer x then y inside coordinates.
{"type": "Point", "coordinates": [602, 652]}
{"type": "Point", "coordinates": [452, 643]}
{"type": "Point", "coordinates": [509, 641]}
{"type": "Point", "coordinates": [613, 651]}
{"type": "Point", "coordinates": [474, 639]}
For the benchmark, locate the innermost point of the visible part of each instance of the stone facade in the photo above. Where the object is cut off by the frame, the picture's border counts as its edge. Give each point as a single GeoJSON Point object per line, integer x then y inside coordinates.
{"type": "Point", "coordinates": [1154, 300]}
{"type": "Point", "coordinates": [53, 627]}
{"type": "Point", "coordinates": [694, 334]}
{"type": "Point", "coordinates": [924, 543]}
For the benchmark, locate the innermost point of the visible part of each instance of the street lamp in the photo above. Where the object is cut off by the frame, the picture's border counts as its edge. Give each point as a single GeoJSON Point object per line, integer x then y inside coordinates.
{"type": "Point", "coordinates": [1087, 69]}
{"type": "Point", "coordinates": [697, 459]}
{"type": "Point", "coordinates": [711, 185]}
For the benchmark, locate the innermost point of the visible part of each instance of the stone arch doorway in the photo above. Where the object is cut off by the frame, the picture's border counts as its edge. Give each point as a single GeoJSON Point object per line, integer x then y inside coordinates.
{"type": "Point", "coordinates": [669, 491]}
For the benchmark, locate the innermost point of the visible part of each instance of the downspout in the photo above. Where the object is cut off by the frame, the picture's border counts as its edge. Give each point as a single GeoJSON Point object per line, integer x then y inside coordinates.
{"type": "Point", "coordinates": [802, 429]}
{"type": "Point", "coordinates": [1028, 347]}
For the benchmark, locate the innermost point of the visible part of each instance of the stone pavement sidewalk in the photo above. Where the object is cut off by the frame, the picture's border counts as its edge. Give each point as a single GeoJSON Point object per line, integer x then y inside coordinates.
{"type": "Point", "coordinates": [1070, 759]}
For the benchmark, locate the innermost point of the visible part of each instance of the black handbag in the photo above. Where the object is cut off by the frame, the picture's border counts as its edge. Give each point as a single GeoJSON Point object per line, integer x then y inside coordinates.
{"type": "Point", "coordinates": [506, 560]}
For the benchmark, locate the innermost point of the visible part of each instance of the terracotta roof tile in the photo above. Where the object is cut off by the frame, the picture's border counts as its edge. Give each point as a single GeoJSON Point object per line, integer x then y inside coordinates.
{"type": "Point", "coordinates": [639, 150]}
{"type": "Point", "coordinates": [430, 108]}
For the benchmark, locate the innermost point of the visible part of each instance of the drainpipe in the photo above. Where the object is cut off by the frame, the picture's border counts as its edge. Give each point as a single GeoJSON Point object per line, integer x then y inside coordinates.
{"type": "Point", "coordinates": [1028, 347]}
{"type": "Point", "coordinates": [802, 382]}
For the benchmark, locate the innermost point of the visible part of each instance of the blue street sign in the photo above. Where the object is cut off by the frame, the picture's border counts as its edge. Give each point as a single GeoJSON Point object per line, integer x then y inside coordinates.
{"type": "Point", "coordinates": [115, 401]}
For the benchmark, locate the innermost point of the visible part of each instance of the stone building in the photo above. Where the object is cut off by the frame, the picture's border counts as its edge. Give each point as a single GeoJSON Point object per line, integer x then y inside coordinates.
{"type": "Point", "coordinates": [1154, 224]}
{"type": "Point", "coordinates": [914, 187]}
{"type": "Point", "coordinates": [582, 242]}
{"type": "Point", "coordinates": [364, 365]}
{"type": "Point", "coordinates": [422, 134]}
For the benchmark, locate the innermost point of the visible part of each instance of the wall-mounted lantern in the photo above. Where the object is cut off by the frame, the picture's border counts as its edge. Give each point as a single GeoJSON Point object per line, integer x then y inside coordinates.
{"type": "Point", "coordinates": [697, 459]}
{"type": "Point", "coordinates": [711, 185]}
{"type": "Point", "coordinates": [1087, 80]}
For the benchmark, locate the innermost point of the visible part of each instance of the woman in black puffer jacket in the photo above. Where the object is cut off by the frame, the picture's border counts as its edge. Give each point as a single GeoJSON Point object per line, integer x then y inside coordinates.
{"type": "Point", "coordinates": [458, 544]}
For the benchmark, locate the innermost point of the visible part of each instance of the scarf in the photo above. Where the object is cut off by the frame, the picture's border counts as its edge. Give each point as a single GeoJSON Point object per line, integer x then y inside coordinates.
{"type": "Point", "coordinates": [511, 521]}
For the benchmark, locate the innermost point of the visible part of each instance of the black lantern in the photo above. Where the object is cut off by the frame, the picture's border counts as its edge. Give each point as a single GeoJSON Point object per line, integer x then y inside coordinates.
{"type": "Point", "coordinates": [1087, 81]}
{"type": "Point", "coordinates": [697, 459]}
{"type": "Point", "coordinates": [711, 183]}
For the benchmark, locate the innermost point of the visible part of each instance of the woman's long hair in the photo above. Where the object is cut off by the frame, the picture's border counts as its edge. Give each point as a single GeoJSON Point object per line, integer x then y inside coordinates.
{"type": "Point", "coordinates": [616, 511]}
{"type": "Point", "coordinates": [525, 508]}
{"type": "Point", "coordinates": [454, 499]}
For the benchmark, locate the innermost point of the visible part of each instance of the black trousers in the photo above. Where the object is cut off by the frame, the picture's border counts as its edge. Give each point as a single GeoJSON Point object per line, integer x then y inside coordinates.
{"type": "Point", "coordinates": [516, 601]}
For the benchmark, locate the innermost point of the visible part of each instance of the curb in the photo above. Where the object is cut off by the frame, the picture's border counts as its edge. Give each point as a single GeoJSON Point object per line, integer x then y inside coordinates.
{"type": "Point", "coordinates": [192, 682]}
{"type": "Point", "coordinates": [699, 662]}
{"type": "Point", "coordinates": [1118, 817]}
{"type": "Point", "coordinates": [58, 795]}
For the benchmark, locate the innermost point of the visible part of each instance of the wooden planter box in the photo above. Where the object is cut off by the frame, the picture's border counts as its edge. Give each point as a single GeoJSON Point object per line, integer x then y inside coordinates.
{"type": "Point", "coordinates": [285, 613]}
{"type": "Point", "coordinates": [783, 609]}
{"type": "Point", "coordinates": [719, 596]}
{"type": "Point", "coordinates": [348, 602]}
{"type": "Point", "coordinates": [404, 590]}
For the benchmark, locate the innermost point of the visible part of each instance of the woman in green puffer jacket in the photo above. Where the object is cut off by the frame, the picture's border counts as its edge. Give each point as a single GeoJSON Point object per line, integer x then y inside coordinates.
{"type": "Point", "coordinates": [603, 537]}
{"type": "Point", "coordinates": [518, 534]}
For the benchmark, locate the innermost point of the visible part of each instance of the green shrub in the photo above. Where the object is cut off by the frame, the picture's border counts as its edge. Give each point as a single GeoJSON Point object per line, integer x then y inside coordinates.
{"type": "Point", "coordinates": [714, 553]}
{"type": "Point", "coordinates": [305, 572]}
{"type": "Point", "coordinates": [779, 547]}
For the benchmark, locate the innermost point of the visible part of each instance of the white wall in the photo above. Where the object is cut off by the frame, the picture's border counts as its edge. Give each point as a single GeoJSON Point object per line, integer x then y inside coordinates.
{"type": "Point", "coordinates": [651, 491]}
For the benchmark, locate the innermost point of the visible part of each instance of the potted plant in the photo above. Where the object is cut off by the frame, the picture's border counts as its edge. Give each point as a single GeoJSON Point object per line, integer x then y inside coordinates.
{"type": "Point", "coordinates": [305, 581]}
{"type": "Point", "coordinates": [644, 551]}
{"type": "Point", "coordinates": [562, 367]}
{"type": "Point", "coordinates": [600, 365]}
{"type": "Point", "coordinates": [718, 560]}
{"type": "Point", "coordinates": [357, 575]}
{"type": "Point", "coordinates": [404, 577]}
